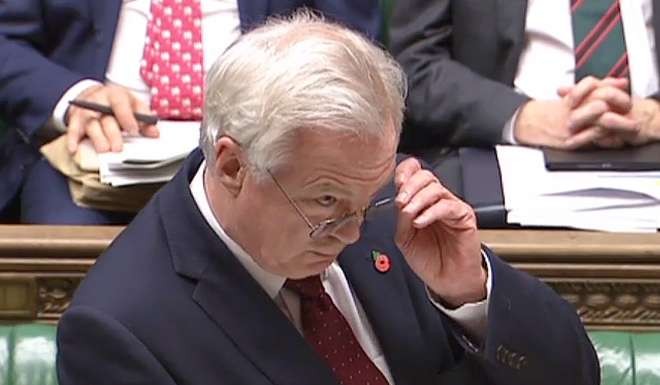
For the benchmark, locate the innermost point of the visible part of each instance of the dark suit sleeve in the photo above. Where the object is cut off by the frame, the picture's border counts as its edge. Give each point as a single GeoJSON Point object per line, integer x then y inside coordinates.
{"type": "Point", "coordinates": [533, 337]}
{"type": "Point", "coordinates": [96, 349]}
{"type": "Point", "coordinates": [30, 83]}
{"type": "Point", "coordinates": [364, 16]}
{"type": "Point", "coordinates": [448, 104]}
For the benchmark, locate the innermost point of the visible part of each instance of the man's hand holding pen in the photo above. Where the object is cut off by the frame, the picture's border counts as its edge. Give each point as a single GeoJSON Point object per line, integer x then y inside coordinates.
{"type": "Point", "coordinates": [103, 129]}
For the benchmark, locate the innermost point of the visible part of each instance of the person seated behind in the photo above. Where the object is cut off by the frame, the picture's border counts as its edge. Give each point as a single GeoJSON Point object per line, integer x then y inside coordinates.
{"type": "Point", "coordinates": [542, 73]}
{"type": "Point", "coordinates": [264, 262]}
{"type": "Point", "coordinates": [56, 51]}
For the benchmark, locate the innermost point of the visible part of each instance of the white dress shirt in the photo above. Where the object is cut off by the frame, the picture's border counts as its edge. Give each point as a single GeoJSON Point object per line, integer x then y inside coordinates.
{"type": "Point", "coordinates": [473, 317]}
{"type": "Point", "coordinates": [547, 61]}
{"type": "Point", "coordinates": [220, 28]}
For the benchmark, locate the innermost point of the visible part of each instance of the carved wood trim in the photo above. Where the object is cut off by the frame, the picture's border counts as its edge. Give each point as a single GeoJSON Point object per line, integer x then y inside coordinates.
{"type": "Point", "coordinates": [612, 279]}
{"type": "Point", "coordinates": [54, 295]}
{"type": "Point", "coordinates": [573, 246]}
{"type": "Point", "coordinates": [612, 303]}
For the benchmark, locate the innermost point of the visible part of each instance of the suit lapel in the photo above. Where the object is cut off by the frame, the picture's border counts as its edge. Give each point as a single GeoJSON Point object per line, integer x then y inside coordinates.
{"type": "Point", "coordinates": [385, 298]}
{"type": "Point", "coordinates": [106, 17]}
{"type": "Point", "coordinates": [511, 16]}
{"type": "Point", "coordinates": [229, 295]}
{"type": "Point", "coordinates": [259, 329]}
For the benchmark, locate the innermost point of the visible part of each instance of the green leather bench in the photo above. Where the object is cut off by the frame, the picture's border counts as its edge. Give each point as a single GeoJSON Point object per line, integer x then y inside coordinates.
{"type": "Point", "coordinates": [628, 358]}
{"type": "Point", "coordinates": [27, 356]}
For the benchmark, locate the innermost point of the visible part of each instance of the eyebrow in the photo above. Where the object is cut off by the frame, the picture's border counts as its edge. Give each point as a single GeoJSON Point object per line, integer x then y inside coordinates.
{"type": "Point", "coordinates": [327, 185]}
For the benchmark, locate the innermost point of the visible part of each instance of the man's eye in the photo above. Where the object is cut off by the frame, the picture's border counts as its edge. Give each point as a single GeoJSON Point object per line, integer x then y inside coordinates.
{"type": "Point", "coordinates": [326, 200]}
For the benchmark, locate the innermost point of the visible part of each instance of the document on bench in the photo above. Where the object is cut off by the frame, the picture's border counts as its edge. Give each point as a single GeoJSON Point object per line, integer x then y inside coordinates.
{"type": "Point", "coordinates": [148, 160]}
{"type": "Point", "coordinates": [593, 200]}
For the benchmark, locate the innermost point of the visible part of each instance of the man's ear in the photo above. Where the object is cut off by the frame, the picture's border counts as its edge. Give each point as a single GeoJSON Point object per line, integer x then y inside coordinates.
{"type": "Point", "coordinates": [229, 169]}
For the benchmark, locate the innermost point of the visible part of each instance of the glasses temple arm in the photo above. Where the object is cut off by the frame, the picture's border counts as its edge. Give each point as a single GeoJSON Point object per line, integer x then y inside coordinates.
{"type": "Point", "coordinates": [295, 206]}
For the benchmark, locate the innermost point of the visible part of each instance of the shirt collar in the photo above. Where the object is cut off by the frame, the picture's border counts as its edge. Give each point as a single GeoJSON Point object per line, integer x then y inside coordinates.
{"type": "Point", "coordinates": [270, 282]}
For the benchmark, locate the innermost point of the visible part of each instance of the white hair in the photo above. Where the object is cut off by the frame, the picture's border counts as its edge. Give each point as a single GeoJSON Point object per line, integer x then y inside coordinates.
{"type": "Point", "coordinates": [296, 73]}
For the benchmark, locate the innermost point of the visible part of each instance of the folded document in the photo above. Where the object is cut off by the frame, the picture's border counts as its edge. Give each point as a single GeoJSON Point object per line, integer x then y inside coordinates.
{"type": "Point", "coordinates": [594, 200]}
{"type": "Point", "coordinates": [144, 160]}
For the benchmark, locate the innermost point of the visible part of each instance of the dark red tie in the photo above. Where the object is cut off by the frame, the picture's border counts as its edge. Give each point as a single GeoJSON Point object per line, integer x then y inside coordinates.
{"type": "Point", "coordinates": [172, 64]}
{"type": "Point", "coordinates": [326, 329]}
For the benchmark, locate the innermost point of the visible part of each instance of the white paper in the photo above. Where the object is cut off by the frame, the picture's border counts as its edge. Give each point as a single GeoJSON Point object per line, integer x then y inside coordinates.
{"type": "Point", "coordinates": [150, 160]}
{"type": "Point", "coordinates": [606, 201]}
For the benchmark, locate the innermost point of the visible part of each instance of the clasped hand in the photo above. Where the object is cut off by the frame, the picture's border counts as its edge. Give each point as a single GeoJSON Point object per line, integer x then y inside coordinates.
{"type": "Point", "coordinates": [594, 112]}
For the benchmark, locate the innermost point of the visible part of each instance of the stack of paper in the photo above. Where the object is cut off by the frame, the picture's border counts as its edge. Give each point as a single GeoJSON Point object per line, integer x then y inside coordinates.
{"type": "Point", "coordinates": [594, 200]}
{"type": "Point", "coordinates": [149, 160]}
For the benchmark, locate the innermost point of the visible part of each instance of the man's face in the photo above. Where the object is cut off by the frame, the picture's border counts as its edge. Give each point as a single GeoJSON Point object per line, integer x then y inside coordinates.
{"type": "Point", "coordinates": [328, 176]}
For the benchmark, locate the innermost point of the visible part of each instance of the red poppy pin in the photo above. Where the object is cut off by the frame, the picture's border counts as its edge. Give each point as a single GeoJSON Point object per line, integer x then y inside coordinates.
{"type": "Point", "coordinates": [381, 261]}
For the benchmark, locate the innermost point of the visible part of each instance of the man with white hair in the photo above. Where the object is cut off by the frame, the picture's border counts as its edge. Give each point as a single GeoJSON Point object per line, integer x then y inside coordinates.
{"type": "Point", "coordinates": [296, 250]}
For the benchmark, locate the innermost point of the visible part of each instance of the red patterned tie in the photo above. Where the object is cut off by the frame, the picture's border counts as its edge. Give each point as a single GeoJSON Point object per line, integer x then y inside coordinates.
{"type": "Point", "coordinates": [326, 329]}
{"type": "Point", "coordinates": [172, 64]}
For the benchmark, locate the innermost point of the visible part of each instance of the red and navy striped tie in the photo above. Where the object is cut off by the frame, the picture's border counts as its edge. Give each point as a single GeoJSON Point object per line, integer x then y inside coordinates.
{"type": "Point", "coordinates": [600, 47]}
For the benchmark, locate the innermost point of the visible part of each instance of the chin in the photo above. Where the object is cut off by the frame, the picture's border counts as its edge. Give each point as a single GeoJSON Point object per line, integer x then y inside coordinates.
{"type": "Point", "coordinates": [312, 263]}
{"type": "Point", "coordinates": [322, 260]}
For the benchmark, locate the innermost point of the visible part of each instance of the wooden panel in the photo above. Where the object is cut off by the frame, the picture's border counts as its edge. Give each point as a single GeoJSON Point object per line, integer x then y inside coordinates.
{"type": "Point", "coordinates": [17, 297]}
{"type": "Point", "coordinates": [612, 279]}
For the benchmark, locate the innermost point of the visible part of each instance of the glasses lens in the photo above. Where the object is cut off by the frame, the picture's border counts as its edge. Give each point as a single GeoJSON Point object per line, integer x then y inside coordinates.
{"type": "Point", "coordinates": [329, 226]}
{"type": "Point", "coordinates": [321, 230]}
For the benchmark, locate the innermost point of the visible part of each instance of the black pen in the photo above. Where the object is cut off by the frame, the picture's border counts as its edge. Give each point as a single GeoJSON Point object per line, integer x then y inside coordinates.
{"type": "Point", "coordinates": [106, 110]}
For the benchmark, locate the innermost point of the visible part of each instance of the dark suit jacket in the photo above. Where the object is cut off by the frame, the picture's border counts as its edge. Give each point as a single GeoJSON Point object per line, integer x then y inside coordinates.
{"type": "Point", "coordinates": [168, 303]}
{"type": "Point", "coordinates": [46, 46]}
{"type": "Point", "coordinates": [461, 57]}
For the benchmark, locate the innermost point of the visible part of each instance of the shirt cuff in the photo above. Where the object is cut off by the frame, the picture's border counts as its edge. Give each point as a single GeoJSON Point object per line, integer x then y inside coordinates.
{"type": "Point", "coordinates": [508, 135]}
{"type": "Point", "coordinates": [59, 113]}
{"type": "Point", "coordinates": [472, 317]}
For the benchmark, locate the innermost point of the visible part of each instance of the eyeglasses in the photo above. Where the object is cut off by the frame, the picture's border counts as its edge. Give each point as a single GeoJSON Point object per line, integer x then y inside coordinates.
{"type": "Point", "coordinates": [329, 226]}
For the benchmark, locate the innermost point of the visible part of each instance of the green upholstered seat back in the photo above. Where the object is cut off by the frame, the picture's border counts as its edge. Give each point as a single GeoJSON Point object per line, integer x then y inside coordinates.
{"type": "Point", "coordinates": [628, 358]}
{"type": "Point", "coordinates": [647, 358]}
{"type": "Point", "coordinates": [27, 354]}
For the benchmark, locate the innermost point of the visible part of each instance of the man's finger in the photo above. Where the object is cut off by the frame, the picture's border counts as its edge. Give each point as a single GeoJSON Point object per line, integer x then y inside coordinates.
{"type": "Point", "coordinates": [75, 131]}
{"type": "Point", "coordinates": [425, 197]}
{"type": "Point", "coordinates": [617, 99]}
{"type": "Point", "coordinates": [581, 90]}
{"type": "Point", "coordinates": [112, 132]}
{"type": "Point", "coordinates": [586, 115]}
{"type": "Point", "coordinates": [404, 229]}
{"type": "Point", "coordinates": [404, 170]}
{"type": "Point", "coordinates": [584, 138]}
{"type": "Point", "coordinates": [413, 185]}
{"type": "Point", "coordinates": [612, 121]}
{"type": "Point", "coordinates": [148, 130]}
{"type": "Point", "coordinates": [96, 135]}
{"type": "Point", "coordinates": [123, 110]}
{"type": "Point", "coordinates": [453, 213]}
{"type": "Point", "coordinates": [610, 141]}
{"type": "Point", "coordinates": [620, 83]}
